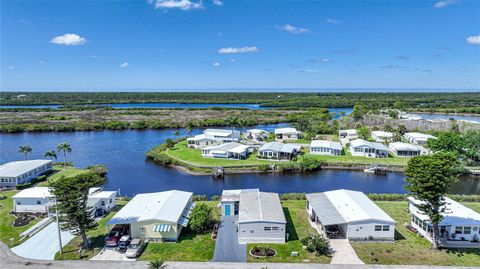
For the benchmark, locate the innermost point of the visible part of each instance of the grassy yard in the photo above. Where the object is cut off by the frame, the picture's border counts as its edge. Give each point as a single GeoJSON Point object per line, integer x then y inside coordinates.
{"type": "Point", "coordinates": [297, 228]}
{"type": "Point", "coordinates": [348, 158]}
{"type": "Point", "coordinates": [8, 234]}
{"type": "Point", "coordinates": [194, 156]}
{"type": "Point", "coordinates": [97, 237]}
{"type": "Point", "coordinates": [410, 248]}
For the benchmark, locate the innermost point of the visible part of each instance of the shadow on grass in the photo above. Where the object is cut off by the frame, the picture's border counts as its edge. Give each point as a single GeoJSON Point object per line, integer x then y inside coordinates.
{"type": "Point", "coordinates": [186, 234]}
{"type": "Point", "coordinates": [459, 252]}
{"type": "Point", "coordinates": [292, 233]}
{"type": "Point", "coordinates": [398, 235]}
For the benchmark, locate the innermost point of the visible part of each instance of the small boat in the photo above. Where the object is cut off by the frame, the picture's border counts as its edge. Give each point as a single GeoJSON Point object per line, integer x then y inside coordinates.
{"type": "Point", "coordinates": [370, 170]}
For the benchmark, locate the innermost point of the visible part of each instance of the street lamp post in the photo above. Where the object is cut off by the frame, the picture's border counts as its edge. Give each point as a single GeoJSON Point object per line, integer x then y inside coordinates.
{"type": "Point", "coordinates": [58, 228]}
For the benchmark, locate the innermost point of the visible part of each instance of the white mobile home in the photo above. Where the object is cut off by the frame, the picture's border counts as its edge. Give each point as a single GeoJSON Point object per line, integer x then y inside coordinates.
{"type": "Point", "coordinates": [349, 134]}
{"type": "Point", "coordinates": [20, 172]}
{"type": "Point", "coordinates": [324, 147]}
{"type": "Point", "coordinates": [277, 150]}
{"type": "Point", "coordinates": [459, 227]}
{"type": "Point", "coordinates": [223, 134]}
{"type": "Point", "coordinates": [202, 140]}
{"type": "Point", "coordinates": [261, 218]}
{"type": "Point", "coordinates": [158, 216]}
{"type": "Point", "coordinates": [231, 150]}
{"type": "Point", "coordinates": [418, 138]}
{"type": "Point", "coordinates": [230, 201]}
{"type": "Point", "coordinates": [381, 136]}
{"type": "Point", "coordinates": [287, 134]}
{"type": "Point", "coordinates": [401, 149]}
{"type": "Point", "coordinates": [360, 147]}
{"type": "Point", "coordinates": [256, 134]}
{"type": "Point", "coordinates": [351, 213]}
{"type": "Point", "coordinates": [39, 199]}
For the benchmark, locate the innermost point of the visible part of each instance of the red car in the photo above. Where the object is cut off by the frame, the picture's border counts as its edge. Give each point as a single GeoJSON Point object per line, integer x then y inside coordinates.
{"type": "Point", "coordinates": [115, 234]}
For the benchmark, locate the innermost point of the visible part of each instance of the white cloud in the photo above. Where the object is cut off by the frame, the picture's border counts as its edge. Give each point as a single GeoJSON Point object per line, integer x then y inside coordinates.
{"type": "Point", "coordinates": [232, 50]}
{"type": "Point", "coordinates": [322, 60]}
{"type": "Point", "coordinates": [292, 29]}
{"type": "Point", "coordinates": [216, 64]}
{"type": "Point", "coordinates": [232, 60]}
{"type": "Point", "coordinates": [173, 4]}
{"type": "Point", "coordinates": [473, 40]}
{"type": "Point", "coordinates": [217, 2]}
{"type": "Point", "coordinates": [333, 21]}
{"type": "Point", "coordinates": [444, 3]}
{"type": "Point", "coordinates": [309, 70]}
{"type": "Point", "coordinates": [124, 65]}
{"type": "Point", "coordinates": [40, 62]}
{"type": "Point", "coordinates": [68, 40]}
{"type": "Point", "coordinates": [10, 67]}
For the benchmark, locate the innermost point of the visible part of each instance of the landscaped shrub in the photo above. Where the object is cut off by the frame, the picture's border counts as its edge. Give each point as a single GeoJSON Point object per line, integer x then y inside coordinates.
{"type": "Point", "coordinates": [200, 197]}
{"type": "Point", "coordinates": [309, 164]}
{"type": "Point", "coordinates": [163, 158]}
{"type": "Point", "coordinates": [387, 196]}
{"type": "Point", "coordinates": [98, 169]}
{"type": "Point", "coordinates": [264, 167]}
{"type": "Point", "coordinates": [318, 244]}
{"type": "Point", "coordinates": [292, 196]}
{"type": "Point", "coordinates": [215, 198]}
{"type": "Point", "coordinates": [201, 218]}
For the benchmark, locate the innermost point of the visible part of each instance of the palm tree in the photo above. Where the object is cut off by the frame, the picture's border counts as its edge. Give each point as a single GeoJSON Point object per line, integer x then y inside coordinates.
{"type": "Point", "coordinates": [232, 121]}
{"type": "Point", "coordinates": [25, 149]}
{"type": "Point", "coordinates": [50, 154]}
{"type": "Point", "coordinates": [65, 147]}
{"type": "Point", "coordinates": [242, 123]}
{"type": "Point", "coordinates": [176, 133]}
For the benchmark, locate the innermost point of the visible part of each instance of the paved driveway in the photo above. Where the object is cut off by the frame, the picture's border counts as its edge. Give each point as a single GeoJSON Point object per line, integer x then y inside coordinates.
{"type": "Point", "coordinates": [227, 248]}
{"type": "Point", "coordinates": [44, 244]}
{"type": "Point", "coordinates": [343, 252]}
{"type": "Point", "coordinates": [110, 254]}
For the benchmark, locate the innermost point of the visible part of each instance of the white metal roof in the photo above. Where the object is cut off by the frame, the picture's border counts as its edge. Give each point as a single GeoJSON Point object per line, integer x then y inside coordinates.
{"type": "Point", "coordinates": [286, 130]}
{"type": "Point", "coordinates": [234, 195]}
{"type": "Point", "coordinates": [34, 192]}
{"type": "Point", "coordinates": [325, 144]}
{"type": "Point", "coordinates": [405, 146]}
{"type": "Point", "coordinates": [257, 131]}
{"type": "Point", "coordinates": [349, 131]}
{"type": "Point", "coordinates": [382, 134]}
{"type": "Point", "coordinates": [102, 194]}
{"type": "Point", "coordinates": [455, 213]}
{"type": "Point", "coordinates": [260, 207]}
{"type": "Point", "coordinates": [18, 168]}
{"type": "Point", "coordinates": [202, 137]}
{"type": "Point", "coordinates": [364, 143]}
{"type": "Point", "coordinates": [279, 147]}
{"type": "Point", "coordinates": [220, 132]}
{"type": "Point", "coordinates": [349, 207]}
{"type": "Point", "coordinates": [162, 206]}
{"type": "Point", "coordinates": [419, 136]}
{"type": "Point", "coordinates": [229, 147]}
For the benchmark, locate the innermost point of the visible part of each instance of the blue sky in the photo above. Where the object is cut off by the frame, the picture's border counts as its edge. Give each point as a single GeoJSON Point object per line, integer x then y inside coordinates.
{"type": "Point", "coordinates": [187, 44]}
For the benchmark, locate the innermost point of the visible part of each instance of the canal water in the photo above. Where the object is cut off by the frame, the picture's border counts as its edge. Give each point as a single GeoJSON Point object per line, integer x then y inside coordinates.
{"type": "Point", "coordinates": [123, 152]}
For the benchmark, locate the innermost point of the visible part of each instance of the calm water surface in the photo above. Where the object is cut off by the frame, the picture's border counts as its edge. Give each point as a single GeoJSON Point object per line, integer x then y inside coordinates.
{"type": "Point", "coordinates": [123, 152]}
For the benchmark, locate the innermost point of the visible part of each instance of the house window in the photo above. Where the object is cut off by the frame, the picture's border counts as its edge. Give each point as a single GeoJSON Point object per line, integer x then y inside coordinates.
{"type": "Point", "coordinates": [378, 228]}
{"type": "Point", "coordinates": [274, 228]}
{"type": "Point", "coordinates": [267, 228]}
{"type": "Point", "coordinates": [458, 229]}
{"type": "Point", "coordinates": [467, 230]}
{"type": "Point", "coordinates": [18, 203]}
{"type": "Point", "coordinates": [386, 228]}
{"type": "Point", "coordinates": [39, 202]}
{"type": "Point", "coordinates": [251, 231]}
{"type": "Point", "coordinates": [103, 202]}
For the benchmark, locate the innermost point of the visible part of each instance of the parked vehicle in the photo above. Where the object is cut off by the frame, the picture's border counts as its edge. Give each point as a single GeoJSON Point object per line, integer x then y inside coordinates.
{"type": "Point", "coordinates": [332, 231]}
{"type": "Point", "coordinates": [123, 243]}
{"type": "Point", "coordinates": [113, 237]}
{"type": "Point", "coordinates": [135, 248]}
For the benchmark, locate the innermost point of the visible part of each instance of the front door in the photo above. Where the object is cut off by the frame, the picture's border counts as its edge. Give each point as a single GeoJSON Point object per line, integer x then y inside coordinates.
{"type": "Point", "coordinates": [227, 210]}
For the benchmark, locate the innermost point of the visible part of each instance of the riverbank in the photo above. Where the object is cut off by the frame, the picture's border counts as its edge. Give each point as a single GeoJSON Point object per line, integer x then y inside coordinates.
{"type": "Point", "coordinates": [190, 161]}
{"type": "Point", "coordinates": [120, 119]}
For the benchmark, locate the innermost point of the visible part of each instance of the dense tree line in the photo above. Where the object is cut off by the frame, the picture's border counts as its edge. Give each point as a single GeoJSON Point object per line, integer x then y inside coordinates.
{"type": "Point", "coordinates": [449, 102]}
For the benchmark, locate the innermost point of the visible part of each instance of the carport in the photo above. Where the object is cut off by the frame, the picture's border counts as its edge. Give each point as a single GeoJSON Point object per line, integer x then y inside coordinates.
{"type": "Point", "coordinates": [325, 215]}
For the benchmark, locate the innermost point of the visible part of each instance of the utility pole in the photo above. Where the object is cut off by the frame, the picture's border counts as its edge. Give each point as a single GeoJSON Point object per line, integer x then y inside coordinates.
{"type": "Point", "coordinates": [58, 228]}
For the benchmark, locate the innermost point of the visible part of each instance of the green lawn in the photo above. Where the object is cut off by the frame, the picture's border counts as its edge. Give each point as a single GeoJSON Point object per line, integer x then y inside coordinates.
{"type": "Point", "coordinates": [194, 156]}
{"type": "Point", "coordinates": [410, 248]}
{"type": "Point", "coordinates": [8, 234]}
{"type": "Point", "coordinates": [348, 158]}
{"type": "Point", "coordinates": [297, 228]}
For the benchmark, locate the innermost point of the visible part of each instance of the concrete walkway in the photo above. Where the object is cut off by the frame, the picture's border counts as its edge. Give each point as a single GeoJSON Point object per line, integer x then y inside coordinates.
{"type": "Point", "coordinates": [108, 254]}
{"type": "Point", "coordinates": [343, 252]}
{"type": "Point", "coordinates": [227, 248]}
{"type": "Point", "coordinates": [44, 244]}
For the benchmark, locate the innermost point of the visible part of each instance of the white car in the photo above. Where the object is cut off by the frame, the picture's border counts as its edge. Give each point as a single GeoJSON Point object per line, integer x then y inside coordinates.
{"type": "Point", "coordinates": [135, 248]}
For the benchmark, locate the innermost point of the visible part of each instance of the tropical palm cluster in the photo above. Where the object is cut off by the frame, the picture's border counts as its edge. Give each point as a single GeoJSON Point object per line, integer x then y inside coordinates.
{"type": "Point", "coordinates": [51, 154]}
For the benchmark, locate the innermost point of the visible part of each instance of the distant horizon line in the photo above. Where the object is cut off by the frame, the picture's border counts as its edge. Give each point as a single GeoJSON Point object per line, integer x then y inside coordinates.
{"type": "Point", "coordinates": [261, 90]}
